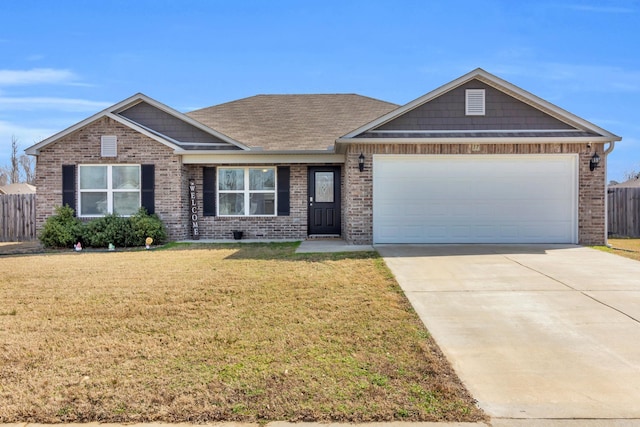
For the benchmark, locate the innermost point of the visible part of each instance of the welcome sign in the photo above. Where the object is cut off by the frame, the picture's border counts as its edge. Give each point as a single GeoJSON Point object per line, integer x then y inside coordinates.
{"type": "Point", "coordinates": [193, 210]}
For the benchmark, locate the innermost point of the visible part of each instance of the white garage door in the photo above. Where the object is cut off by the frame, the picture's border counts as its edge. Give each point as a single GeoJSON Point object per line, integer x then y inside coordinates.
{"type": "Point", "coordinates": [475, 199]}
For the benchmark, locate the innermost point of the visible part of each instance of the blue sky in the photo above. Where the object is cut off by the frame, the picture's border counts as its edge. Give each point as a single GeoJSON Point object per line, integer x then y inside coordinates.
{"type": "Point", "coordinates": [62, 61]}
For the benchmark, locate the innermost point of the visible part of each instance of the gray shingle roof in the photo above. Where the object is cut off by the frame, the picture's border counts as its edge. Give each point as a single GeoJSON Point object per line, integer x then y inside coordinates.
{"type": "Point", "coordinates": [292, 122]}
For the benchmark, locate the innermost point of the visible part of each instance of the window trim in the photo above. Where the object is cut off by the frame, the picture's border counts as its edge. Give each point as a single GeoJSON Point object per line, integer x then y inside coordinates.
{"type": "Point", "coordinates": [109, 190]}
{"type": "Point", "coordinates": [247, 192]}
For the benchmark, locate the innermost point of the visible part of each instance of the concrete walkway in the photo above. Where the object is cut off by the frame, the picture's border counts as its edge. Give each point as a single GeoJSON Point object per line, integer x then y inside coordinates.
{"type": "Point", "coordinates": [330, 245]}
{"type": "Point", "coordinates": [540, 335]}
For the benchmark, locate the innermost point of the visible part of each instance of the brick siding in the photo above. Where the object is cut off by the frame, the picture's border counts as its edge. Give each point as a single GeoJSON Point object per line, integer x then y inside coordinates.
{"type": "Point", "coordinates": [293, 226]}
{"type": "Point", "coordinates": [83, 147]}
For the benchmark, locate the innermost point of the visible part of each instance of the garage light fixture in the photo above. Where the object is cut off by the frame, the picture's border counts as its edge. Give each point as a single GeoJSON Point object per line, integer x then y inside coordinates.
{"type": "Point", "coordinates": [361, 162]}
{"type": "Point", "coordinates": [594, 162]}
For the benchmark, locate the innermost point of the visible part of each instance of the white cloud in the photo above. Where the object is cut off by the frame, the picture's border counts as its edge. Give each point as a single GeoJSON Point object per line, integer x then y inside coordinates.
{"type": "Point", "coordinates": [35, 57]}
{"type": "Point", "coordinates": [50, 103]}
{"type": "Point", "coordinates": [36, 76]}
{"type": "Point", "coordinates": [600, 8]}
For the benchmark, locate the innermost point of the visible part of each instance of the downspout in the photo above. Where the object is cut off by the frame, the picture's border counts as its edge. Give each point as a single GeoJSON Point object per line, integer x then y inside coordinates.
{"type": "Point", "coordinates": [606, 194]}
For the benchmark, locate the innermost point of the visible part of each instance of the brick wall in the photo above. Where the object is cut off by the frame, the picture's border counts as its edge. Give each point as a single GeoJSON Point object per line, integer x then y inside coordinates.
{"type": "Point", "coordinates": [293, 226]}
{"type": "Point", "coordinates": [83, 147]}
{"type": "Point", "coordinates": [358, 199]}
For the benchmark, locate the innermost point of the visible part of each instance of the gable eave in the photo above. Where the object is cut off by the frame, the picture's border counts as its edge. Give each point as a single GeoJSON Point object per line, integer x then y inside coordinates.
{"type": "Point", "coordinates": [341, 142]}
{"type": "Point", "coordinates": [165, 140]}
{"type": "Point", "coordinates": [498, 84]}
{"type": "Point", "coordinates": [181, 116]}
{"type": "Point", "coordinates": [112, 112]}
{"type": "Point", "coordinates": [543, 105]}
{"type": "Point", "coordinates": [34, 150]}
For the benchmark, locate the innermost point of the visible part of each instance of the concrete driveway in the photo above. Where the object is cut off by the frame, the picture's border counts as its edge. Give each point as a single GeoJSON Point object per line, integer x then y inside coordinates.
{"type": "Point", "coordinates": [535, 332]}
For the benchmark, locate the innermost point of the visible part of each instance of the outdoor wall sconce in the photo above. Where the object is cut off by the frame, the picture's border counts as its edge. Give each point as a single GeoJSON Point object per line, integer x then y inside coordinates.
{"type": "Point", "coordinates": [594, 162]}
{"type": "Point", "coordinates": [361, 162]}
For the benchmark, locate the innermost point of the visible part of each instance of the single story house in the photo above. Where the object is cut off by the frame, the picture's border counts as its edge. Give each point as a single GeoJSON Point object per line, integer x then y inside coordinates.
{"type": "Point", "coordinates": [477, 160]}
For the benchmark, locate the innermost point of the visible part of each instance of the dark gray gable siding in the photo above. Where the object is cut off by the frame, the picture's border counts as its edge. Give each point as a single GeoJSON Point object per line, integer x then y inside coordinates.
{"type": "Point", "coordinates": [149, 116]}
{"type": "Point", "coordinates": [447, 112]}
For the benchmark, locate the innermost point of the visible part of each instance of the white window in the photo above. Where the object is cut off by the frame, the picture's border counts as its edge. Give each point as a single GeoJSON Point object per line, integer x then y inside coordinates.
{"type": "Point", "coordinates": [108, 189]}
{"type": "Point", "coordinates": [247, 191]}
{"type": "Point", "coordinates": [475, 102]}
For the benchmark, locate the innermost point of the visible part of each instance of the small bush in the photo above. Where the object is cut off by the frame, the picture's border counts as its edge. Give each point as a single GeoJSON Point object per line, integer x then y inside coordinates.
{"type": "Point", "coordinates": [109, 229]}
{"type": "Point", "coordinates": [61, 230]}
{"type": "Point", "coordinates": [145, 225]}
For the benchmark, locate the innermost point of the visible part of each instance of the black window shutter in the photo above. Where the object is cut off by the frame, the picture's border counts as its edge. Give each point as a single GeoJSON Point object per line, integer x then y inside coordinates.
{"type": "Point", "coordinates": [148, 188]}
{"type": "Point", "coordinates": [69, 186]}
{"type": "Point", "coordinates": [209, 191]}
{"type": "Point", "coordinates": [284, 173]}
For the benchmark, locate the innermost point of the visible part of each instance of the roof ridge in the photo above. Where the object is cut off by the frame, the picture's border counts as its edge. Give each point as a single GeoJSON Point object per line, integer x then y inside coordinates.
{"type": "Point", "coordinates": [284, 95]}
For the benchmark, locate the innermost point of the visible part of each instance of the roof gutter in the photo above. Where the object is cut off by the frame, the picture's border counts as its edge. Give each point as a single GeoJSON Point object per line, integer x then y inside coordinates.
{"type": "Point", "coordinates": [260, 157]}
{"type": "Point", "coordinates": [609, 149]}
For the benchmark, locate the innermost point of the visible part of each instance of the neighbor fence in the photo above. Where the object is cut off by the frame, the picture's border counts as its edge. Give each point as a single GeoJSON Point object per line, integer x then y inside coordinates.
{"type": "Point", "coordinates": [623, 205]}
{"type": "Point", "coordinates": [17, 217]}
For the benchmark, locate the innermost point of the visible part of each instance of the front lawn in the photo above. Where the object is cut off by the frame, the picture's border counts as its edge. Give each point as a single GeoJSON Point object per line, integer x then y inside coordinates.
{"type": "Point", "coordinates": [206, 333]}
{"type": "Point", "coordinates": [629, 248]}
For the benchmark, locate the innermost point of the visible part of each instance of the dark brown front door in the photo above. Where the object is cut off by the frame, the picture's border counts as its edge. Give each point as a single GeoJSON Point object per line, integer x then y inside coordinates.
{"type": "Point", "coordinates": [324, 200]}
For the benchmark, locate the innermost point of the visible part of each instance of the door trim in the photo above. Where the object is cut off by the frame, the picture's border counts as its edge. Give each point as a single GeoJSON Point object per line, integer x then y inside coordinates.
{"type": "Point", "coordinates": [335, 226]}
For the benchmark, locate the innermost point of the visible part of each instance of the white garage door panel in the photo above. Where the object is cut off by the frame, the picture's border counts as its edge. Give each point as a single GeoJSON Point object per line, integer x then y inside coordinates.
{"type": "Point", "coordinates": [475, 199]}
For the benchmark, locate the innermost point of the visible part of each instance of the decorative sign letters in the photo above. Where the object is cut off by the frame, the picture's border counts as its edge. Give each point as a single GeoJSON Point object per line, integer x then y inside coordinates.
{"type": "Point", "coordinates": [193, 210]}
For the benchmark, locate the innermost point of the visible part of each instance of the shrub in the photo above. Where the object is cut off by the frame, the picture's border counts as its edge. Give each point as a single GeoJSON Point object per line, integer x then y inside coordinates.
{"type": "Point", "coordinates": [145, 225]}
{"type": "Point", "coordinates": [109, 229]}
{"type": "Point", "coordinates": [61, 230]}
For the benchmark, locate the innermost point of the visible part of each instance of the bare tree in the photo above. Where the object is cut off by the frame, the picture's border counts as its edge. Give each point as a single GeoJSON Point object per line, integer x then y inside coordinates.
{"type": "Point", "coordinates": [27, 164]}
{"type": "Point", "coordinates": [14, 166]}
{"type": "Point", "coordinates": [20, 168]}
{"type": "Point", "coordinates": [629, 175]}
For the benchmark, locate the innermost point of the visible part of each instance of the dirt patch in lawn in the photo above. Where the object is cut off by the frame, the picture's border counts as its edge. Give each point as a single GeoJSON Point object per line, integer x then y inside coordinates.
{"type": "Point", "coordinates": [209, 333]}
{"type": "Point", "coordinates": [13, 248]}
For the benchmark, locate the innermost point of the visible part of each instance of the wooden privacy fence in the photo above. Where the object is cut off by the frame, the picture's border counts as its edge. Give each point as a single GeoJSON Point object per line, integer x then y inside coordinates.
{"type": "Point", "coordinates": [623, 205]}
{"type": "Point", "coordinates": [17, 217]}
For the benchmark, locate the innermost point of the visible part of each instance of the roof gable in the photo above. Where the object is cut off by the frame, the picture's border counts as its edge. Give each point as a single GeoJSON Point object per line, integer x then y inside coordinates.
{"type": "Point", "coordinates": [447, 112]}
{"type": "Point", "coordinates": [180, 128]}
{"type": "Point", "coordinates": [142, 114]}
{"type": "Point", "coordinates": [510, 112]}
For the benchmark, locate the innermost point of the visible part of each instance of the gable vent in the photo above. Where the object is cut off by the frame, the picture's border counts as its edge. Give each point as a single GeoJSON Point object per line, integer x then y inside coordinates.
{"type": "Point", "coordinates": [109, 146]}
{"type": "Point", "coordinates": [475, 102]}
